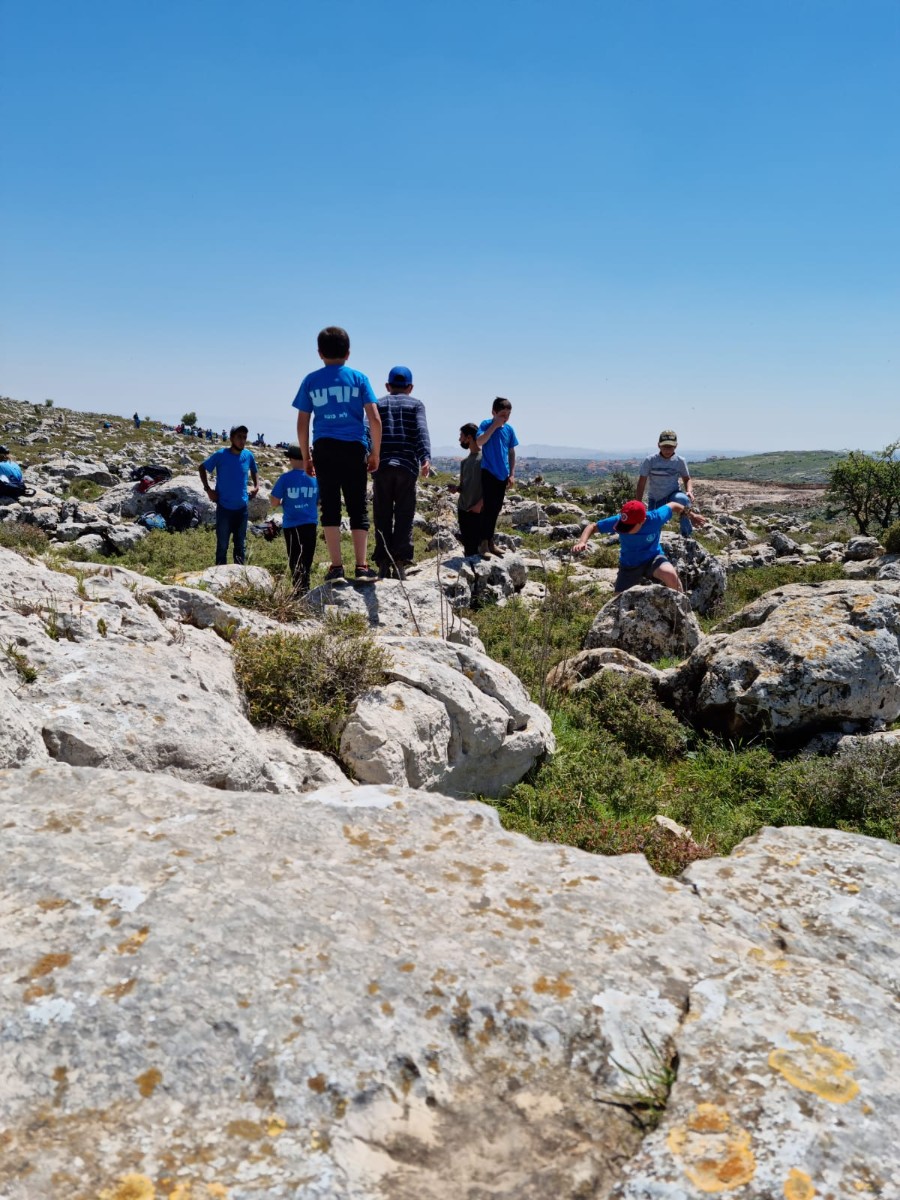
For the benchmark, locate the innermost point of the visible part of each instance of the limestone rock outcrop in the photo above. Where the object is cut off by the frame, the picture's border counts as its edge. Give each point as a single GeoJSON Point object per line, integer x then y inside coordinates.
{"type": "Point", "coordinates": [801, 658]}
{"type": "Point", "coordinates": [131, 674]}
{"type": "Point", "coordinates": [379, 995]}
{"type": "Point", "coordinates": [451, 720]}
{"type": "Point", "coordinates": [650, 622]}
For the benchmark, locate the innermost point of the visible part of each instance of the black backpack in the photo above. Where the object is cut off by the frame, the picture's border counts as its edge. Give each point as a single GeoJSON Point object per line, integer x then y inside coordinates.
{"type": "Point", "coordinates": [160, 474]}
{"type": "Point", "coordinates": [182, 516]}
{"type": "Point", "coordinates": [11, 489]}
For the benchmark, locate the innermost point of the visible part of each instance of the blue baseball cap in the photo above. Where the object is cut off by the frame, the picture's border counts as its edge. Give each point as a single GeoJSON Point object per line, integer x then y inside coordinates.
{"type": "Point", "coordinates": [400, 377]}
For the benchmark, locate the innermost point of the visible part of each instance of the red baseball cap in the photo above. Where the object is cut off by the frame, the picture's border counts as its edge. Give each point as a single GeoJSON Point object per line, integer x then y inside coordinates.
{"type": "Point", "coordinates": [632, 513]}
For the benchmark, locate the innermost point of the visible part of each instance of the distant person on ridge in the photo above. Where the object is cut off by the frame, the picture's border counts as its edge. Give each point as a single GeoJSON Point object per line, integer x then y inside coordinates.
{"type": "Point", "coordinates": [137, 421]}
{"type": "Point", "coordinates": [497, 441]}
{"type": "Point", "coordinates": [641, 555]}
{"type": "Point", "coordinates": [298, 495]}
{"type": "Point", "coordinates": [233, 465]}
{"type": "Point", "coordinates": [470, 502]}
{"type": "Point", "coordinates": [405, 450]}
{"type": "Point", "coordinates": [340, 398]}
{"type": "Point", "coordinates": [664, 471]}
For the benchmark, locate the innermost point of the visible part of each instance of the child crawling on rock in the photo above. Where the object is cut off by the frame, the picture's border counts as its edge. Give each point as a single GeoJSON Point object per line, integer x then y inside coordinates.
{"type": "Point", "coordinates": [641, 555]}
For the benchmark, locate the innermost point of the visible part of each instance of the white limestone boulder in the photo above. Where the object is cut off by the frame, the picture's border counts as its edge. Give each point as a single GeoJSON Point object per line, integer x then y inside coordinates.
{"type": "Point", "coordinates": [651, 622]}
{"type": "Point", "coordinates": [799, 659]}
{"type": "Point", "coordinates": [381, 994]}
{"type": "Point", "coordinates": [450, 719]}
{"type": "Point", "coordinates": [135, 675]}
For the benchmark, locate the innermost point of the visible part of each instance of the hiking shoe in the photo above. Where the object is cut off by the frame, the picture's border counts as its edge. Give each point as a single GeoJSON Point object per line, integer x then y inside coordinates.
{"type": "Point", "coordinates": [365, 574]}
{"type": "Point", "coordinates": [335, 575]}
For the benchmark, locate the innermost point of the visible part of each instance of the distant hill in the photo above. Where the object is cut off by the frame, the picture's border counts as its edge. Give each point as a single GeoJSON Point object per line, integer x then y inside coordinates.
{"type": "Point", "coordinates": [778, 466]}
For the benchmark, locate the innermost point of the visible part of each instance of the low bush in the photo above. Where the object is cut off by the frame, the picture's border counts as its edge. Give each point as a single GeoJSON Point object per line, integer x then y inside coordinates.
{"type": "Point", "coordinates": [858, 791]}
{"type": "Point", "coordinates": [627, 708]}
{"type": "Point", "coordinates": [309, 684]}
{"type": "Point", "coordinates": [280, 601]}
{"type": "Point", "coordinates": [85, 489]}
{"type": "Point", "coordinates": [27, 539]}
{"type": "Point", "coordinates": [891, 538]}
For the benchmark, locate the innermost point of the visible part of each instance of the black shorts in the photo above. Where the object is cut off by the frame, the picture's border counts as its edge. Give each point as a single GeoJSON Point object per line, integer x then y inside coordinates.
{"type": "Point", "coordinates": [341, 470]}
{"type": "Point", "coordinates": [629, 577]}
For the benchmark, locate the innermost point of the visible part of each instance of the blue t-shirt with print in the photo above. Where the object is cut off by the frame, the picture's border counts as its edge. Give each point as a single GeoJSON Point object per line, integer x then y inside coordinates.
{"type": "Point", "coordinates": [232, 472]}
{"type": "Point", "coordinates": [495, 451]}
{"type": "Point", "coordinates": [12, 471]}
{"type": "Point", "coordinates": [635, 549]}
{"type": "Point", "coordinates": [337, 397]}
{"type": "Point", "coordinates": [299, 496]}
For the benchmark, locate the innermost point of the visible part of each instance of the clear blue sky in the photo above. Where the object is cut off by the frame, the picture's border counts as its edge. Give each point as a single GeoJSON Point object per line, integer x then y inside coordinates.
{"type": "Point", "coordinates": [620, 215]}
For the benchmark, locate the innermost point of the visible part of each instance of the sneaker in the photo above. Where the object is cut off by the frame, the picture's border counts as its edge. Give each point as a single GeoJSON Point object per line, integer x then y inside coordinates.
{"type": "Point", "coordinates": [385, 571]}
{"type": "Point", "coordinates": [335, 575]}
{"type": "Point", "coordinates": [365, 574]}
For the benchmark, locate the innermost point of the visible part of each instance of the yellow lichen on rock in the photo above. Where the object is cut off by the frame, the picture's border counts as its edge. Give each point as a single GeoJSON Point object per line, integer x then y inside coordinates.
{"type": "Point", "coordinates": [798, 1186]}
{"type": "Point", "coordinates": [816, 1068]}
{"type": "Point", "coordinates": [130, 1187]}
{"type": "Point", "coordinates": [714, 1154]}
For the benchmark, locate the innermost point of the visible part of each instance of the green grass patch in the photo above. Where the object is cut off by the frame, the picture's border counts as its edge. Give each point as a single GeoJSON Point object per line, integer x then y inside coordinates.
{"type": "Point", "coordinates": [85, 489]}
{"type": "Point", "coordinates": [746, 586]}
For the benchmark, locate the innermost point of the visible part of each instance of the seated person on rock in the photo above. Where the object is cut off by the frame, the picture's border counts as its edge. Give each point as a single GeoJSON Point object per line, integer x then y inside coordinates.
{"type": "Point", "coordinates": [641, 555]}
{"type": "Point", "coordinates": [666, 472]}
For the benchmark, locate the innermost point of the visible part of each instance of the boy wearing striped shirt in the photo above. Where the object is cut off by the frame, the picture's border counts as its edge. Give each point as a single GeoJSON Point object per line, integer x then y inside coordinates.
{"type": "Point", "coordinates": [405, 451]}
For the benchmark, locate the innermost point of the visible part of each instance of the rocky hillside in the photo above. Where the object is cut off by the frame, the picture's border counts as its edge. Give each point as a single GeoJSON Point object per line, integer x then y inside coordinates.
{"type": "Point", "coordinates": [243, 962]}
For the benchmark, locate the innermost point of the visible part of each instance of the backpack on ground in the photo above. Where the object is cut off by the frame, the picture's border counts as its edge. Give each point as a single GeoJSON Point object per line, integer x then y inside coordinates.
{"type": "Point", "coordinates": [152, 520]}
{"type": "Point", "coordinates": [154, 471]}
{"type": "Point", "coordinates": [182, 516]}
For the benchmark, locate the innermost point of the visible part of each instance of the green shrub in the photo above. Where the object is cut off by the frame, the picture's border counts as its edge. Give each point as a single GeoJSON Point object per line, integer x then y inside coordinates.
{"type": "Point", "coordinates": [891, 538]}
{"type": "Point", "coordinates": [309, 684]}
{"type": "Point", "coordinates": [279, 601]}
{"type": "Point", "coordinates": [626, 707]}
{"type": "Point", "coordinates": [85, 489]}
{"type": "Point", "coordinates": [27, 539]}
{"type": "Point", "coordinates": [858, 791]}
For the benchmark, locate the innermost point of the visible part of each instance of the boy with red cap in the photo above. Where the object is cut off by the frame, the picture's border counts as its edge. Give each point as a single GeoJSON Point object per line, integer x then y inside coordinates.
{"type": "Point", "coordinates": [641, 555]}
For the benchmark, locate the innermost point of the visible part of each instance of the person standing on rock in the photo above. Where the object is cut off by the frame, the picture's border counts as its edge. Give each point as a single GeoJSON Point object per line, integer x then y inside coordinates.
{"type": "Point", "coordinates": [497, 441]}
{"type": "Point", "coordinates": [405, 450]}
{"type": "Point", "coordinates": [298, 494]}
{"type": "Point", "coordinates": [641, 555]}
{"type": "Point", "coordinates": [664, 472]}
{"type": "Point", "coordinates": [341, 399]}
{"type": "Point", "coordinates": [233, 466]}
{"type": "Point", "coordinates": [470, 501]}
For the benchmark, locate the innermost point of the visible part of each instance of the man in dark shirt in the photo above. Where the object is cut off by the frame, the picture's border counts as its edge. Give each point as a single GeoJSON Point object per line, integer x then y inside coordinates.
{"type": "Point", "coordinates": [405, 450]}
{"type": "Point", "coordinates": [470, 501]}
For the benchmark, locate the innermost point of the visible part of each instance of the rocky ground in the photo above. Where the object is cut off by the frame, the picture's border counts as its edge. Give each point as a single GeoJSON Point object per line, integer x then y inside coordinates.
{"type": "Point", "coordinates": [240, 967]}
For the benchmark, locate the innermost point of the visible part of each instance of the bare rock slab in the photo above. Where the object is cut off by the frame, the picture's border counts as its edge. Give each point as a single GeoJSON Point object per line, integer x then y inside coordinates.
{"type": "Point", "coordinates": [381, 995]}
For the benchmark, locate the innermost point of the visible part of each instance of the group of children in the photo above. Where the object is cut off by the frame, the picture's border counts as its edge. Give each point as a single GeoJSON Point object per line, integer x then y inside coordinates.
{"type": "Point", "coordinates": [339, 439]}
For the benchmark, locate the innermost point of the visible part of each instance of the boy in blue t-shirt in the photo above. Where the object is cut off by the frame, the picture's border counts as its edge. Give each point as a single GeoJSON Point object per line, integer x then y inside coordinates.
{"type": "Point", "coordinates": [497, 441]}
{"type": "Point", "coordinates": [298, 494]}
{"type": "Point", "coordinates": [341, 399]}
{"type": "Point", "coordinates": [233, 465]}
{"type": "Point", "coordinates": [641, 555]}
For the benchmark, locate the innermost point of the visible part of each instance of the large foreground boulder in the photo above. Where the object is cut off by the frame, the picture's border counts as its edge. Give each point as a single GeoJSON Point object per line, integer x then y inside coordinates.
{"type": "Point", "coordinates": [802, 658]}
{"type": "Point", "coordinates": [650, 622]}
{"type": "Point", "coordinates": [381, 995]}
